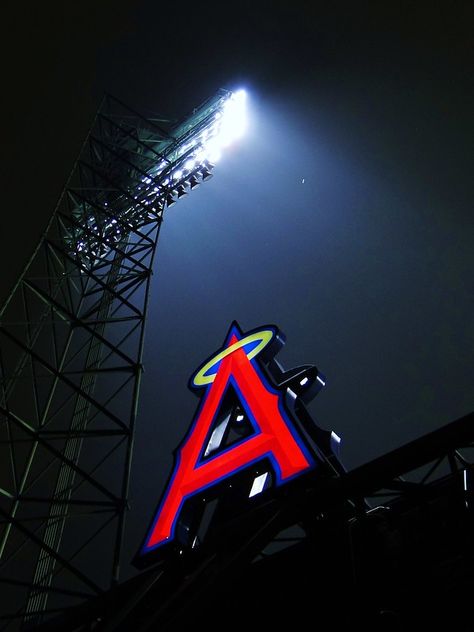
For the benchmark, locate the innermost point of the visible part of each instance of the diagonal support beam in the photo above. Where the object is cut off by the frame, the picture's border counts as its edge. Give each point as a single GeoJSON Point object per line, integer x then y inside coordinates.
{"type": "Point", "coordinates": [59, 455]}
{"type": "Point", "coordinates": [60, 375]}
{"type": "Point", "coordinates": [76, 321]}
{"type": "Point", "coordinates": [96, 280]}
{"type": "Point", "coordinates": [59, 558]}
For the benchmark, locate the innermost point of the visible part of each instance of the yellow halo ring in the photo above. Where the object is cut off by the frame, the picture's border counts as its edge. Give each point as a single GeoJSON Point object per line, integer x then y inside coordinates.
{"type": "Point", "coordinates": [264, 337]}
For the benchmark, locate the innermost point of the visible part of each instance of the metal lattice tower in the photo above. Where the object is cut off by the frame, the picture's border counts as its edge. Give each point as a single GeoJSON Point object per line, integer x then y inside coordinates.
{"type": "Point", "coordinates": [71, 343]}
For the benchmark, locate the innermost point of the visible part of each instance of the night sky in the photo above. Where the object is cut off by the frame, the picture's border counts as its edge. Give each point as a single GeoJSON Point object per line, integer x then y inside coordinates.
{"type": "Point", "coordinates": [344, 216]}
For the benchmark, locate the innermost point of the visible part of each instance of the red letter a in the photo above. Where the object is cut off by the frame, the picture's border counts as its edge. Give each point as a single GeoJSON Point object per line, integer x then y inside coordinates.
{"type": "Point", "coordinates": [274, 436]}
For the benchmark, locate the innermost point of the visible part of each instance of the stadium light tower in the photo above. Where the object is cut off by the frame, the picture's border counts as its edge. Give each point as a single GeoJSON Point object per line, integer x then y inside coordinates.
{"type": "Point", "coordinates": [71, 344]}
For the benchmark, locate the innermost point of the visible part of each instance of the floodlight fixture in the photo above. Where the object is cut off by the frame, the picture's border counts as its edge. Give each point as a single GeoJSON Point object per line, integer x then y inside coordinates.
{"type": "Point", "coordinates": [193, 182]}
{"type": "Point", "coordinates": [206, 171]}
{"type": "Point", "coordinates": [182, 190]}
{"type": "Point", "coordinates": [177, 164]}
{"type": "Point", "coordinates": [170, 199]}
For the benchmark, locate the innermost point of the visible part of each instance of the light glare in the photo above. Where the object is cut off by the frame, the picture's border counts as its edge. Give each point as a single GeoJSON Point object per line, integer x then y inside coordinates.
{"type": "Point", "coordinates": [228, 125]}
{"type": "Point", "coordinates": [233, 122]}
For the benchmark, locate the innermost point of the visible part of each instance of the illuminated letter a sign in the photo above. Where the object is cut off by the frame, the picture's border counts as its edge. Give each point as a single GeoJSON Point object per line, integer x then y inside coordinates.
{"type": "Point", "coordinates": [207, 456]}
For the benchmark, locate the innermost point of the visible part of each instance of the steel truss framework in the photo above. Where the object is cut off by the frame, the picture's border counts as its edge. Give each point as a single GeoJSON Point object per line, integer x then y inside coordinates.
{"type": "Point", "coordinates": [307, 541]}
{"type": "Point", "coordinates": [324, 517]}
{"type": "Point", "coordinates": [71, 343]}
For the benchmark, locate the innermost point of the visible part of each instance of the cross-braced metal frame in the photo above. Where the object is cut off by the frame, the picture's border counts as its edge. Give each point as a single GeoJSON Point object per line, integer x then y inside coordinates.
{"type": "Point", "coordinates": [71, 343]}
{"type": "Point", "coordinates": [323, 517]}
{"type": "Point", "coordinates": [325, 542]}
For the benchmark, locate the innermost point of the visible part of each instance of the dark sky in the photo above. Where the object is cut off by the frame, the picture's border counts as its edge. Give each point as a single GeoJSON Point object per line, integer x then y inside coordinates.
{"type": "Point", "coordinates": [366, 265]}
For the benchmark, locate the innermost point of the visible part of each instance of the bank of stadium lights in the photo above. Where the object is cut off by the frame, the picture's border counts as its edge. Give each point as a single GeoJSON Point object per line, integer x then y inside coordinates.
{"type": "Point", "coordinates": [197, 156]}
{"type": "Point", "coordinates": [227, 125]}
{"type": "Point", "coordinates": [185, 162]}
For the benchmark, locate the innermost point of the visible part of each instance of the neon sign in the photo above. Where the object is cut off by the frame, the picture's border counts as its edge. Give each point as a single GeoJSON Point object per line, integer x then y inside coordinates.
{"type": "Point", "coordinates": [246, 422]}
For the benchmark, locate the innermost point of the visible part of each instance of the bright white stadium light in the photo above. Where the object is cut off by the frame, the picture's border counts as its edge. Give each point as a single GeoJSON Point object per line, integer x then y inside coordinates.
{"type": "Point", "coordinates": [213, 150]}
{"type": "Point", "coordinates": [228, 125]}
{"type": "Point", "coordinates": [234, 120]}
{"type": "Point", "coordinates": [185, 159]}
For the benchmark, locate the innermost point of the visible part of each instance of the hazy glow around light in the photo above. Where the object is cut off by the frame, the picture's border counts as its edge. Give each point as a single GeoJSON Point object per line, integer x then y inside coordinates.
{"type": "Point", "coordinates": [213, 150]}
